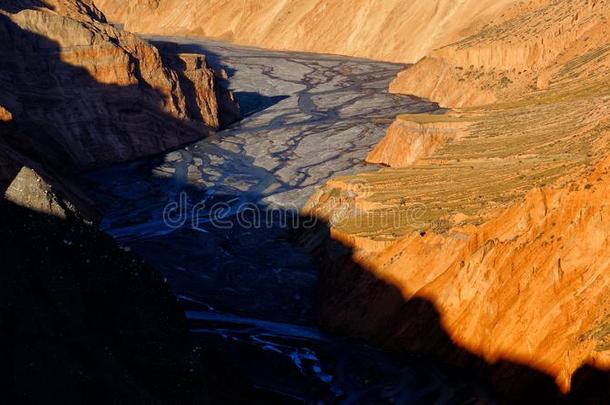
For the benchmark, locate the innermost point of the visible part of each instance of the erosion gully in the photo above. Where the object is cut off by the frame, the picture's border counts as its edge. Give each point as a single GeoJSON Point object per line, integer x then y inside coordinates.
{"type": "Point", "coordinates": [247, 289]}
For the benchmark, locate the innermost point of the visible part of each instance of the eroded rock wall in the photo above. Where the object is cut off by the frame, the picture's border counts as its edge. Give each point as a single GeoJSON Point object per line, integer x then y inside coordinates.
{"type": "Point", "coordinates": [391, 30]}
{"type": "Point", "coordinates": [489, 251]}
{"type": "Point", "coordinates": [536, 45]}
{"type": "Point", "coordinates": [88, 93]}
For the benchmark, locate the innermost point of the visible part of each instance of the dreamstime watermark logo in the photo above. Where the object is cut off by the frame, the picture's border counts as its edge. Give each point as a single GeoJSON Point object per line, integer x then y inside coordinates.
{"type": "Point", "coordinates": [233, 213]}
{"type": "Point", "coordinates": [342, 208]}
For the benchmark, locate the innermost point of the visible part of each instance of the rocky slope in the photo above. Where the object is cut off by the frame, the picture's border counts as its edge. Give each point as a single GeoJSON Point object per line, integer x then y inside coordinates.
{"type": "Point", "coordinates": [88, 93]}
{"type": "Point", "coordinates": [531, 47]}
{"type": "Point", "coordinates": [485, 245]}
{"type": "Point", "coordinates": [82, 320]}
{"type": "Point", "coordinates": [391, 30]}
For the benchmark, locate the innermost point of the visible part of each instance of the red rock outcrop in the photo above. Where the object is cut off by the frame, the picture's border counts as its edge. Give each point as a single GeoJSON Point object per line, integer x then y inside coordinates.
{"type": "Point", "coordinates": [412, 137]}
{"type": "Point", "coordinates": [529, 286]}
{"type": "Point", "coordinates": [490, 251]}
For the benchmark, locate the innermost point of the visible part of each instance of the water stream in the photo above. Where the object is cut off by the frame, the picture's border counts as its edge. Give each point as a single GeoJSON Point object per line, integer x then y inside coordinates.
{"type": "Point", "coordinates": [248, 291]}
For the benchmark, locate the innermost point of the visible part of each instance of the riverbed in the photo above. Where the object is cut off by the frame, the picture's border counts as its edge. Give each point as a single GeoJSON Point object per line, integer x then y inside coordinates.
{"type": "Point", "coordinates": [216, 219]}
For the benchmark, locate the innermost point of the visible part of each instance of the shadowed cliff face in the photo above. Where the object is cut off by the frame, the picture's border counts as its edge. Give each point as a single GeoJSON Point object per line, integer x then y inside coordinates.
{"type": "Point", "coordinates": [88, 93]}
{"type": "Point", "coordinates": [82, 321]}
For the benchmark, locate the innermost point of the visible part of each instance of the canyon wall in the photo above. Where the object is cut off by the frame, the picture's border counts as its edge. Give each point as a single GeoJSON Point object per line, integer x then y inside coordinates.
{"type": "Point", "coordinates": [483, 241]}
{"type": "Point", "coordinates": [88, 93]}
{"type": "Point", "coordinates": [390, 30]}
{"type": "Point", "coordinates": [524, 51]}
{"type": "Point", "coordinates": [81, 319]}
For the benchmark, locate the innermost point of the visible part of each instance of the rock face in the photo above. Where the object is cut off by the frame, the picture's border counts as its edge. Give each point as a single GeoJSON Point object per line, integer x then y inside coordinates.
{"type": "Point", "coordinates": [88, 93]}
{"type": "Point", "coordinates": [415, 136]}
{"type": "Point", "coordinates": [391, 30]}
{"type": "Point", "coordinates": [489, 250]}
{"type": "Point", "coordinates": [530, 47]}
{"type": "Point", "coordinates": [29, 190]}
{"type": "Point", "coordinates": [527, 286]}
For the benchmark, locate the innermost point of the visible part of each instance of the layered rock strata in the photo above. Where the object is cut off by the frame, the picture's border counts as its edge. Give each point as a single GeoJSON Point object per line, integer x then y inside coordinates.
{"type": "Point", "coordinates": [489, 251]}
{"type": "Point", "coordinates": [412, 137]}
{"type": "Point", "coordinates": [390, 30]}
{"type": "Point", "coordinates": [537, 45]}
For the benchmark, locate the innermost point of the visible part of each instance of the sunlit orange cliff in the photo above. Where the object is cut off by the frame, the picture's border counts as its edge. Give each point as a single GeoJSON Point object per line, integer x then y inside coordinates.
{"type": "Point", "coordinates": [494, 212]}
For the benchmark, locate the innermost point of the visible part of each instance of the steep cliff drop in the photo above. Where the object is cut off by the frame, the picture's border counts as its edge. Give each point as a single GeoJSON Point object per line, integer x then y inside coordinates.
{"type": "Point", "coordinates": [489, 248]}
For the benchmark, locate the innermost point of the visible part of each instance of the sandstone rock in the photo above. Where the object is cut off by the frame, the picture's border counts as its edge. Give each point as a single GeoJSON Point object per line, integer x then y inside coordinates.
{"type": "Point", "coordinates": [530, 46]}
{"type": "Point", "coordinates": [412, 137]}
{"type": "Point", "coordinates": [490, 252]}
{"type": "Point", "coordinates": [528, 286]}
{"type": "Point", "coordinates": [393, 30]}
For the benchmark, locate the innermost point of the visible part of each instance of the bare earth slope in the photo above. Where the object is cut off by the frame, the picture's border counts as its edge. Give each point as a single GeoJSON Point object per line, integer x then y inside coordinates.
{"type": "Point", "coordinates": [494, 213]}
{"type": "Point", "coordinates": [538, 44]}
{"type": "Point", "coordinates": [391, 30]}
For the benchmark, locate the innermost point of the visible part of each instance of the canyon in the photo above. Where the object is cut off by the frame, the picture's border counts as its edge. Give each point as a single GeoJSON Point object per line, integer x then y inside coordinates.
{"type": "Point", "coordinates": [451, 211]}
{"type": "Point", "coordinates": [249, 291]}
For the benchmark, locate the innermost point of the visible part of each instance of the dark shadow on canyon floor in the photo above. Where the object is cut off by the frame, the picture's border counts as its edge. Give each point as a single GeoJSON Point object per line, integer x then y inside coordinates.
{"type": "Point", "coordinates": [252, 102]}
